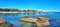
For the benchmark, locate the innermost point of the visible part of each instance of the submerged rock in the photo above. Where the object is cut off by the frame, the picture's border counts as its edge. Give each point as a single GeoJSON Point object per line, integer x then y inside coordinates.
{"type": "Point", "coordinates": [3, 23]}
{"type": "Point", "coordinates": [2, 20]}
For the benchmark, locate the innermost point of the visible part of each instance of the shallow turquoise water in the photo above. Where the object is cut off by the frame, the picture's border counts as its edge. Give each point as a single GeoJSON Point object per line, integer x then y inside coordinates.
{"type": "Point", "coordinates": [14, 19]}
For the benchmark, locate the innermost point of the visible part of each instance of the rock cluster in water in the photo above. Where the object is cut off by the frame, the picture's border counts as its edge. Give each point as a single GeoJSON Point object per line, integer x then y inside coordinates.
{"type": "Point", "coordinates": [40, 21]}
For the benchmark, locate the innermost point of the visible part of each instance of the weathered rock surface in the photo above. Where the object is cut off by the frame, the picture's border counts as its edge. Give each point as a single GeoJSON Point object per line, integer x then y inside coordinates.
{"type": "Point", "coordinates": [41, 21]}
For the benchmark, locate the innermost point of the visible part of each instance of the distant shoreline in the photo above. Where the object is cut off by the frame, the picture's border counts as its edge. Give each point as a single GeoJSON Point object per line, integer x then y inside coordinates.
{"type": "Point", "coordinates": [26, 12]}
{"type": "Point", "coordinates": [16, 12]}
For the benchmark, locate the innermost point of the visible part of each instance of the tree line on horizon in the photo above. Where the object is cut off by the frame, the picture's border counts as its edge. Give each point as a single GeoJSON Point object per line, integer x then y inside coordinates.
{"type": "Point", "coordinates": [15, 10]}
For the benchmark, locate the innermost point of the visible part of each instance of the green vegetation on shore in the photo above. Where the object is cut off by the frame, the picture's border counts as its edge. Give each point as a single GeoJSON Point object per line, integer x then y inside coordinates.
{"type": "Point", "coordinates": [14, 10]}
{"type": "Point", "coordinates": [17, 10]}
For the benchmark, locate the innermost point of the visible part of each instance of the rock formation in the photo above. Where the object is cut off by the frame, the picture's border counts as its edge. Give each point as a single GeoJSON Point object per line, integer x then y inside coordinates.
{"type": "Point", "coordinates": [40, 21]}
{"type": "Point", "coordinates": [3, 23]}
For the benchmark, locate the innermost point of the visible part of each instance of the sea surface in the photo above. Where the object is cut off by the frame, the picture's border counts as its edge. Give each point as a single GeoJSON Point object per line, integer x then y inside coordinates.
{"type": "Point", "coordinates": [15, 19]}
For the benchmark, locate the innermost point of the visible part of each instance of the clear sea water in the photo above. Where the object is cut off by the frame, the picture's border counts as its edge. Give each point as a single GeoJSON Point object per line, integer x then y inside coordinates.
{"type": "Point", "coordinates": [14, 18]}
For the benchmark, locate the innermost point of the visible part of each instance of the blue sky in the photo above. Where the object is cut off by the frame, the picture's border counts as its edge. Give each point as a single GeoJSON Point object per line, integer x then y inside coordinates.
{"type": "Point", "coordinates": [45, 5]}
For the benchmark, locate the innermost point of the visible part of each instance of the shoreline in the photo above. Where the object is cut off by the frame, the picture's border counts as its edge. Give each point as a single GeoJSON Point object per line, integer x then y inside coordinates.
{"type": "Point", "coordinates": [19, 12]}
{"type": "Point", "coordinates": [16, 12]}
